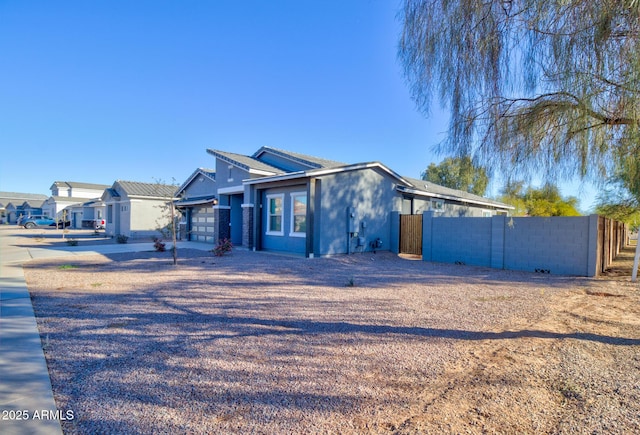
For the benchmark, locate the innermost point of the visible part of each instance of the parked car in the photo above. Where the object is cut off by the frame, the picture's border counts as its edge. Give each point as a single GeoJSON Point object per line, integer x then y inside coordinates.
{"type": "Point", "coordinates": [99, 224]}
{"type": "Point", "coordinates": [38, 221]}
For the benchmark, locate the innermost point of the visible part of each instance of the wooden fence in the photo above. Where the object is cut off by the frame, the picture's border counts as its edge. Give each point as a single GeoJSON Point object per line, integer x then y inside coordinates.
{"type": "Point", "coordinates": [411, 234]}
{"type": "Point", "coordinates": [612, 237]}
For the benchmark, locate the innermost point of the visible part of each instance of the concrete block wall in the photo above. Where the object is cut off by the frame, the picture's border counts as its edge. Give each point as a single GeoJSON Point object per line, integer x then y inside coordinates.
{"type": "Point", "coordinates": [472, 245]}
{"type": "Point", "coordinates": [557, 245]}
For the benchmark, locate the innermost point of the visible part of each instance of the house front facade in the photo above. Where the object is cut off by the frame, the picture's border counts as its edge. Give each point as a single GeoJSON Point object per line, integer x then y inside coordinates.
{"type": "Point", "coordinates": [281, 201]}
{"type": "Point", "coordinates": [198, 197]}
{"type": "Point", "coordinates": [68, 194]}
{"type": "Point", "coordinates": [135, 209]}
{"type": "Point", "coordinates": [13, 205]}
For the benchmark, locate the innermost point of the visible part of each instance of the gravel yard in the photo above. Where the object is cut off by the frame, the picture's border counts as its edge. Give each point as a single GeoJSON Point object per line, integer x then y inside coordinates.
{"type": "Point", "coordinates": [263, 343]}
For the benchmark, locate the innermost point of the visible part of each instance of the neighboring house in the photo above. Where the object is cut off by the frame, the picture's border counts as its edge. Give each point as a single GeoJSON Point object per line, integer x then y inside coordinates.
{"type": "Point", "coordinates": [197, 199]}
{"type": "Point", "coordinates": [135, 209]}
{"type": "Point", "coordinates": [290, 202]}
{"type": "Point", "coordinates": [66, 194]}
{"type": "Point", "coordinates": [13, 205]}
{"type": "Point", "coordinates": [85, 214]}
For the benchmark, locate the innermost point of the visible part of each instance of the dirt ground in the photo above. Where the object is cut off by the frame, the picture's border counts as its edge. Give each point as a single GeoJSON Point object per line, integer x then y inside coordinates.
{"type": "Point", "coordinates": [262, 343]}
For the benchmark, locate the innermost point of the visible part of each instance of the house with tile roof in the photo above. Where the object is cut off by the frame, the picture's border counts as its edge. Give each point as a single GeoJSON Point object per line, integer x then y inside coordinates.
{"type": "Point", "coordinates": [283, 201]}
{"type": "Point", "coordinates": [136, 209]}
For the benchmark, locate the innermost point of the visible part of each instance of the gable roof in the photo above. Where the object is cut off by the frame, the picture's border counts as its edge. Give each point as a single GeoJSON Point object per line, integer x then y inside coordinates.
{"type": "Point", "coordinates": [307, 160]}
{"type": "Point", "coordinates": [77, 185]}
{"type": "Point", "coordinates": [208, 173]}
{"type": "Point", "coordinates": [17, 197]}
{"type": "Point", "coordinates": [248, 163]}
{"type": "Point", "coordinates": [325, 171]}
{"type": "Point", "coordinates": [318, 166]}
{"type": "Point", "coordinates": [148, 190]}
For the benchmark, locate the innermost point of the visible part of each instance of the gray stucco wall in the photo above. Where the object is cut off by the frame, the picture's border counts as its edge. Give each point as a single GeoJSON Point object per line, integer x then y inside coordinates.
{"type": "Point", "coordinates": [557, 245]}
{"type": "Point", "coordinates": [372, 196]}
{"type": "Point", "coordinates": [199, 187]}
{"type": "Point", "coordinates": [228, 175]}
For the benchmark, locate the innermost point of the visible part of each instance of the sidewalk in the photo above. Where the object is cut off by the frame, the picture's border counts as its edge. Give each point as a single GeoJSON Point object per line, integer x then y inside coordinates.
{"type": "Point", "coordinates": [27, 405]}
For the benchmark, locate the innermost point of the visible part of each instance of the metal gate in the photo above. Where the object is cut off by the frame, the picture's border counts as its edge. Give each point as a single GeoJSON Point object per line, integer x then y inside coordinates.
{"type": "Point", "coordinates": [411, 234]}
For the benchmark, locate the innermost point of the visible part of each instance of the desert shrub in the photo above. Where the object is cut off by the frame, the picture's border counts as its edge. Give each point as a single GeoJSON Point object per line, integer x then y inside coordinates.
{"type": "Point", "coordinates": [158, 245]}
{"type": "Point", "coordinates": [224, 246]}
{"type": "Point", "coordinates": [121, 238]}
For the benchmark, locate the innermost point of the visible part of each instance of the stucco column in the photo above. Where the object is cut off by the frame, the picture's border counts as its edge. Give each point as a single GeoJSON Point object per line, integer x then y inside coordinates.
{"type": "Point", "coordinates": [497, 241]}
{"type": "Point", "coordinates": [427, 226]}
{"type": "Point", "coordinates": [394, 238]}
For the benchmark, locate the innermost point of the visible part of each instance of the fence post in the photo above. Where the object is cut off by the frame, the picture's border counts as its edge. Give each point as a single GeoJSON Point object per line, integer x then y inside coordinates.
{"type": "Point", "coordinates": [394, 241]}
{"type": "Point", "coordinates": [427, 222]}
{"type": "Point", "coordinates": [592, 246]}
{"type": "Point", "coordinates": [497, 241]}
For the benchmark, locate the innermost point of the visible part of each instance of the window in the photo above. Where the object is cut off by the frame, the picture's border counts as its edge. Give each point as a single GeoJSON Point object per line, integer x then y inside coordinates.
{"type": "Point", "coordinates": [298, 214]}
{"type": "Point", "coordinates": [110, 214]}
{"type": "Point", "coordinates": [274, 215]}
{"type": "Point", "coordinates": [437, 205]}
{"type": "Point", "coordinates": [486, 213]}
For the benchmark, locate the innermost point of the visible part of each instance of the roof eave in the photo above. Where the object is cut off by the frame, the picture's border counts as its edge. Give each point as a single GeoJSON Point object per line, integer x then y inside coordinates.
{"type": "Point", "coordinates": [404, 189]}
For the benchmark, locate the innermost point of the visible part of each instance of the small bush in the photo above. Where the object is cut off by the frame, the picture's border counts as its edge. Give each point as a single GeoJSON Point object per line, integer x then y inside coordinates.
{"type": "Point", "coordinates": [159, 245]}
{"type": "Point", "coordinates": [72, 242]}
{"type": "Point", "coordinates": [121, 238]}
{"type": "Point", "coordinates": [224, 246]}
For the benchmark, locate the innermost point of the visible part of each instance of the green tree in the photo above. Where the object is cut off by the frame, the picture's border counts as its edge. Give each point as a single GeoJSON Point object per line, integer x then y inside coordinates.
{"type": "Point", "coordinates": [458, 173]}
{"type": "Point", "coordinates": [533, 86]}
{"type": "Point", "coordinates": [616, 201]}
{"type": "Point", "coordinates": [545, 201]}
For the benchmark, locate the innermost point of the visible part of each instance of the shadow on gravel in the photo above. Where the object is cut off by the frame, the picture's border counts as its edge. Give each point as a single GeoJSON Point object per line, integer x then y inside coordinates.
{"type": "Point", "coordinates": [224, 339]}
{"type": "Point", "coordinates": [209, 327]}
{"type": "Point", "coordinates": [359, 270]}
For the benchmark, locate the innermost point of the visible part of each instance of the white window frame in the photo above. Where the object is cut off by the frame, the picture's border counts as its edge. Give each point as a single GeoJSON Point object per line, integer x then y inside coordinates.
{"type": "Point", "coordinates": [486, 213]}
{"type": "Point", "coordinates": [437, 205]}
{"type": "Point", "coordinates": [269, 198]}
{"type": "Point", "coordinates": [293, 233]}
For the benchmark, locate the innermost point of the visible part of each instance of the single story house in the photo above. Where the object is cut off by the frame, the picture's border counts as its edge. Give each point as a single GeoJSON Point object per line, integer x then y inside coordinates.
{"type": "Point", "coordinates": [135, 209]}
{"type": "Point", "coordinates": [283, 201]}
{"type": "Point", "coordinates": [14, 204]}
{"type": "Point", "coordinates": [85, 214]}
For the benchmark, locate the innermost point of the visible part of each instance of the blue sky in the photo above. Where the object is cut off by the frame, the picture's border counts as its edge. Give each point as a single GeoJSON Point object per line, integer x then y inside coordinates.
{"type": "Point", "coordinates": [95, 91]}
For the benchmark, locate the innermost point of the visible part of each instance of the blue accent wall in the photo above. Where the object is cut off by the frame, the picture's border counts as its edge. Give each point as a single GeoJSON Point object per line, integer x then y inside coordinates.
{"type": "Point", "coordinates": [285, 242]}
